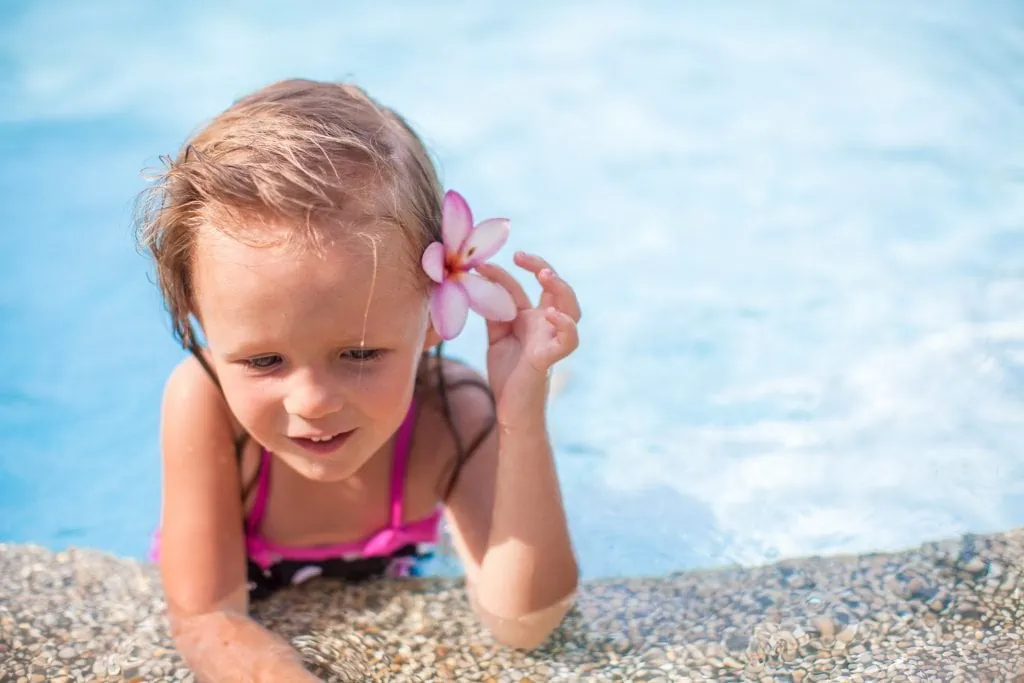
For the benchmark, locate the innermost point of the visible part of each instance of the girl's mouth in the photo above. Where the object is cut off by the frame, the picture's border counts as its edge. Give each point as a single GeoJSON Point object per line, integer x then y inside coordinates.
{"type": "Point", "coordinates": [322, 445]}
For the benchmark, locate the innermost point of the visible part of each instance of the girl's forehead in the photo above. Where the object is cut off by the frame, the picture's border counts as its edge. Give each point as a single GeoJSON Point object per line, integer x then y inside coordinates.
{"type": "Point", "coordinates": [344, 270]}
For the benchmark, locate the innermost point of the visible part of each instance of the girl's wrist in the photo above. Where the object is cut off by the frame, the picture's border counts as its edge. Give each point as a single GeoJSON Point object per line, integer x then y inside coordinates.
{"type": "Point", "coordinates": [527, 421]}
{"type": "Point", "coordinates": [524, 403]}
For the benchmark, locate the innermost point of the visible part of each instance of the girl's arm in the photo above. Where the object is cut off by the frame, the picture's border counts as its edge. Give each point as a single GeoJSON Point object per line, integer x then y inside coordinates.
{"type": "Point", "coordinates": [508, 523]}
{"type": "Point", "coordinates": [202, 553]}
{"type": "Point", "coordinates": [224, 644]}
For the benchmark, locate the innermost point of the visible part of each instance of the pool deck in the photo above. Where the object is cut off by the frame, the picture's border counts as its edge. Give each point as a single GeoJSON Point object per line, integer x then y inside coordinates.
{"type": "Point", "coordinates": [947, 611]}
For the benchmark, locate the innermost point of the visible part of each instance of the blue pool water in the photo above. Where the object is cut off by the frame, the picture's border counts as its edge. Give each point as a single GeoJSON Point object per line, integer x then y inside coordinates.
{"type": "Point", "coordinates": [796, 232]}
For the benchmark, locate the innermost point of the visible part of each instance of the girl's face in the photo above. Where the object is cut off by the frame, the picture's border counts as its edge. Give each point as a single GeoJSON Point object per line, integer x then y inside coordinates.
{"type": "Point", "coordinates": [316, 352]}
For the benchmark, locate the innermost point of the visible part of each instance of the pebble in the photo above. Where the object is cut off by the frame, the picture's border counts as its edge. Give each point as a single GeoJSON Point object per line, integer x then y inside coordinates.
{"type": "Point", "coordinates": [825, 626]}
{"type": "Point", "coordinates": [975, 565]}
{"type": "Point", "coordinates": [847, 633]}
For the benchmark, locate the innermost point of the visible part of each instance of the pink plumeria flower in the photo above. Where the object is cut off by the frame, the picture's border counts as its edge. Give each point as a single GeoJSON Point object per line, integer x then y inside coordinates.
{"type": "Point", "coordinates": [449, 263]}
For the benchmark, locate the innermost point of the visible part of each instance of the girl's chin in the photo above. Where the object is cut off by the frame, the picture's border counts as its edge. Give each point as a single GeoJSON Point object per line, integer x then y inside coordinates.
{"type": "Point", "coordinates": [319, 469]}
{"type": "Point", "coordinates": [336, 466]}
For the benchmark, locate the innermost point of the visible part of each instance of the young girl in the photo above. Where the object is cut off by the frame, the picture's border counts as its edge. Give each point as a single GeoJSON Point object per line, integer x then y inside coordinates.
{"type": "Point", "coordinates": [314, 434]}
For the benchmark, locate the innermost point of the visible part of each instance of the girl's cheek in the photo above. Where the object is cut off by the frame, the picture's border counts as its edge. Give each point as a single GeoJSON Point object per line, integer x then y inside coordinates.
{"type": "Point", "coordinates": [381, 392]}
{"type": "Point", "coordinates": [258, 403]}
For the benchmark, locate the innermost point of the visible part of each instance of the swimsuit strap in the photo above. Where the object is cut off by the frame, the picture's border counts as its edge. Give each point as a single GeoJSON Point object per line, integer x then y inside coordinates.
{"type": "Point", "coordinates": [259, 505]}
{"type": "Point", "coordinates": [403, 444]}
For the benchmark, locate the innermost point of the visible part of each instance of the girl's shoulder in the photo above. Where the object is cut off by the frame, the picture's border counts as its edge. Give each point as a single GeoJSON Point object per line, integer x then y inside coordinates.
{"type": "Point", "coordinates": [455, 395]}
{"type": "Point", "coordinates": [455, 415]}
{"type": "Point", "coordinates": [192, 400]}
{"type": "Point", "coordinates": [191, 388]}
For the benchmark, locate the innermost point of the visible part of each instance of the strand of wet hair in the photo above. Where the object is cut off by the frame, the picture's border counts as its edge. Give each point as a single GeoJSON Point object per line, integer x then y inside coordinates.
{"type": "Point", "coordinates": [462, 454]}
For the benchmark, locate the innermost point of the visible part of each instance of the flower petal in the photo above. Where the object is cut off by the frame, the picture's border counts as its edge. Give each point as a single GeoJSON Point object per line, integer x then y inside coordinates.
{"type": "Point", "coordinates": [433, 261]}
{"type": "Point", "coordinates": [456, 221]}
{"type": "Point", "coordinates": [449, 306]}
{"type": "Point", "coordinates": [487, 298]}
{"type": "Point", "coordinates": [485, 241]}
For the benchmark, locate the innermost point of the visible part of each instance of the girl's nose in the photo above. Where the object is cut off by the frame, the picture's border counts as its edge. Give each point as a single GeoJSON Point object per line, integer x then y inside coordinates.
{"type": "Point", "coordinates": [312, 397]}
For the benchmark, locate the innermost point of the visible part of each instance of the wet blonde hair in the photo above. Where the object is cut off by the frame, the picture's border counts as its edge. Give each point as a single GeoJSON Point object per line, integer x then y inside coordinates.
{"type": "Point", "coordinates": [302, 153]}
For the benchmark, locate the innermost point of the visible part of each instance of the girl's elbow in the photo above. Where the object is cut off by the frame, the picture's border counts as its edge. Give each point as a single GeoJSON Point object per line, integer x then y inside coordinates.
{"type": "Point", "coordinates": [529, 631]}
{"type": "Point", "coordinates": [524, 639]}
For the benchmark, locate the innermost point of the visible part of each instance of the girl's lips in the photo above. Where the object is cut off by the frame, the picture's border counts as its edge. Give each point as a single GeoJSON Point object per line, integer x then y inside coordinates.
{"type": "Point", "coordinates": [322, 447]}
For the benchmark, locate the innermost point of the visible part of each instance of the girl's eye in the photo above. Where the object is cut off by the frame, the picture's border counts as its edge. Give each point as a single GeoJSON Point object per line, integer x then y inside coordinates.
{"type": "Point", "coordinates": [362, 355]}
{"type": "Point", "coordinates": [263, 362]}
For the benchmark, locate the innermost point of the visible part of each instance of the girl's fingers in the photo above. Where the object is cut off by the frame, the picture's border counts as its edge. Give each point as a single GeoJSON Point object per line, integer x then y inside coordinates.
{"type": "Point", "coordinates": [557, 292]}
{"type": "Point", "coordinates": [566, 335]}
{"type": "Point", "coordinates": [561, 294]}
{"type": "Point", "coordinates": [531, 262]}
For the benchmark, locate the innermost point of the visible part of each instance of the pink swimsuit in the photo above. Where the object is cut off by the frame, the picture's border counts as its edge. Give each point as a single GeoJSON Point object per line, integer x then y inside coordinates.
{"type": "Point", "coordinates": [394, 550]}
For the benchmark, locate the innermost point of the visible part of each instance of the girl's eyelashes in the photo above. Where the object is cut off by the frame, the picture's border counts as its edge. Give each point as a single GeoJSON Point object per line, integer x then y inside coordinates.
{"type": "Point", "coordinates": [362, 355]}
{"type": "Point", "coordinates": [263, 362]}
{"type": "Point", "coordinates": [272, 361]}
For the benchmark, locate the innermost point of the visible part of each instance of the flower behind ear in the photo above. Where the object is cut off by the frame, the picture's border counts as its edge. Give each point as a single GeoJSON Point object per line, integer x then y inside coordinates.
{"type": "Point", "coordinates": [448, 264]}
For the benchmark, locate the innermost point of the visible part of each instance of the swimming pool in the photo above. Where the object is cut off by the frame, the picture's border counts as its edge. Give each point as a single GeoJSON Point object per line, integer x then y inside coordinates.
{"type": "Point", "coordinates": [796, 232]}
